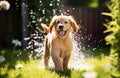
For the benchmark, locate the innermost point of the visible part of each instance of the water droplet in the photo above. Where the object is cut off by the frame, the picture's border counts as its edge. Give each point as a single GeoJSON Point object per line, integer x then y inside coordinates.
{"type": "Point", "coordinates": [58, 0]}
{"type": "Point", "coordinates": [94, 49]}
{"type": "Point", "coordinates": [43, 11]}
{"type": "Point", "coordinates": [68, 10]}
{"type": "Point", "coordinates": [40, 1]}
{"type": "Point", "coordinates": [58, 4]}
{"type": "Point", "coordinates": [73, 8]}
{"type": "Point", "coordinates": [51, 4]}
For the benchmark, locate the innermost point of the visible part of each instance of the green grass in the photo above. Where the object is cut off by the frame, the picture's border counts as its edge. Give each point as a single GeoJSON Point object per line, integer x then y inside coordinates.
{"type": "Point", "coordinates": [32, 69]}
{"type": "Point", "coordinates": [22, 67]}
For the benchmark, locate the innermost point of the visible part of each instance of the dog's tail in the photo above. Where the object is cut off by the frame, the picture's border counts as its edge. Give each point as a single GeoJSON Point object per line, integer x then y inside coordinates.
{"type": "Point", "coordinates": [45, 27]}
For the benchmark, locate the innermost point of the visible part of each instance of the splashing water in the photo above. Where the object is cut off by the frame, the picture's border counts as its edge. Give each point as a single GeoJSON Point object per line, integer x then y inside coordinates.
{"type": "Point", "coordinates": [36, 15]}
{"type": "Point", "coordinates": [77, 53]}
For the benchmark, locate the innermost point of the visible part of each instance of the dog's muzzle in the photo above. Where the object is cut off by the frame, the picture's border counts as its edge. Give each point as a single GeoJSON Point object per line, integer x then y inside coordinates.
{"type": "Point", "coordinates": [61, 32]}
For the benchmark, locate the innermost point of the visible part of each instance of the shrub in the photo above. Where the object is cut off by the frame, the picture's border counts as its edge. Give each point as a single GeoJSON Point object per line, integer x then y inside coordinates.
{"type": "Point", "coordinates": [113, 28]}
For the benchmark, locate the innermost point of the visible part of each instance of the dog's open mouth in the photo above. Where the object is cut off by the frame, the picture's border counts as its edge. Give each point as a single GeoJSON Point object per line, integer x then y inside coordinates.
{"type": "Point", "coordinates": [62, 33]}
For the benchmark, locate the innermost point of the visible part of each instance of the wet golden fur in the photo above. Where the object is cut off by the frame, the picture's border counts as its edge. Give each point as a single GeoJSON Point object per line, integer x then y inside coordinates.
{"type": "Point", "coordinates": [58, 41]}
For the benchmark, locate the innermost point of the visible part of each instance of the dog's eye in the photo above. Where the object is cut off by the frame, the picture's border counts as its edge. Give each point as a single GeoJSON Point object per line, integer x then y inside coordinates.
{"type": "Point", "coordinates": [66, 22]}
{"type": "Point", "coordinates": [57, 21]}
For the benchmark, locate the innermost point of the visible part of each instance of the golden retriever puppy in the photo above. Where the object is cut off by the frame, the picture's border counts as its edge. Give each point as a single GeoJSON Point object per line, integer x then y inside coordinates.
{"type": "Point", "coordinates": [58, 42]}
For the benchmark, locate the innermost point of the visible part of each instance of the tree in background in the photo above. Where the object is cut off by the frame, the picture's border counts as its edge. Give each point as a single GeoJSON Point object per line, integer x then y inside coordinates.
{"type": "Point", "coordinates": [113, 28]}
{"type": "Point", "coordinates": [39, 11]}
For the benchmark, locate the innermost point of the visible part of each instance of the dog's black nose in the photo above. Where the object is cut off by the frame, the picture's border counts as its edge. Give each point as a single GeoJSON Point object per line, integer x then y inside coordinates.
{"type": "Point", "coordinates": [61, 27]}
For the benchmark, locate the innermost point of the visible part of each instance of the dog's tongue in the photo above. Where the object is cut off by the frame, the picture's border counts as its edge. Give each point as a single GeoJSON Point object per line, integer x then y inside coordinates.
{"type": "Point", "coordinates": [61, 33]}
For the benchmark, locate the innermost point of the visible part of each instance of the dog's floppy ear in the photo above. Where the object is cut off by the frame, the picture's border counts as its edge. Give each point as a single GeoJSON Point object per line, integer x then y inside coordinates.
{"type": "Point", "coordinates": [73, 24]}
{"type": "Point", "coordinates": [45, 27]}
{"type": "Point", "coordinates": [52, 23]}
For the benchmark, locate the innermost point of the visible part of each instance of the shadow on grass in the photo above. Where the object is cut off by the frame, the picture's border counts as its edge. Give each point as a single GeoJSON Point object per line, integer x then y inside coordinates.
{"type": "Point", "coordinates": [70, 73]}
{"type": "Point", "coordinates": [66, 73]}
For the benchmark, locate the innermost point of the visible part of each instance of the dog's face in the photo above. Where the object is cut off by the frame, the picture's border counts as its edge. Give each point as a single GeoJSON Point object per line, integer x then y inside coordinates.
{"type": "Point", "coordinates": [62, 25]}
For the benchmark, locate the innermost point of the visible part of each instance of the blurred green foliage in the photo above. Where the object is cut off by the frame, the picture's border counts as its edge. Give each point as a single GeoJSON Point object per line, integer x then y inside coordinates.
{"type": "Point", "coordinates": [113, 28]}
{"type": "Point", "coordinates": [85, 3]}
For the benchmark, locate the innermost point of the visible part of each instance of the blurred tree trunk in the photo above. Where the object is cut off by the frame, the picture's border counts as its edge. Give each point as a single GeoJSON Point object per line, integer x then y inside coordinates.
{"type": "Point", "coordinates": [24, 22]}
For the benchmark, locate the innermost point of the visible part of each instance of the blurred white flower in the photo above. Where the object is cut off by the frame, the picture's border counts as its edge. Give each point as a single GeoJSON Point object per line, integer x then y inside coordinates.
{"type": "Point", "coordinates": [5, 5]}
{"type": "Point", "coordinates": [90, 75]}
{"type": "Point", "coordinates": [16, 42]}
{"type": "Point", "coordinates": [2, 59]}
{"type": "Point", "coordinates": [18, 66]}
{"type": "Point", "coordinates": [107, 67]}
{"type": "Point", "coordinates": [41, 67]}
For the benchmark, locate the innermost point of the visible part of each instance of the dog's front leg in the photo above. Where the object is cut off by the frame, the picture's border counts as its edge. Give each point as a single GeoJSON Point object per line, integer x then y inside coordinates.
{"type": "Point", "coordinates": [57, 61]}
{"type": "Point", "coordinates": [46, 59]}
{"type": "Point", "coordinates": [65, 62]}
{"type": "Point", "coordinates": [46, 53]}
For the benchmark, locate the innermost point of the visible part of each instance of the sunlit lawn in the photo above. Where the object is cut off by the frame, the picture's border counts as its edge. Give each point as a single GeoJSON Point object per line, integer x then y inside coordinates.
{"type": "Point", "coordinates": [20, 66]}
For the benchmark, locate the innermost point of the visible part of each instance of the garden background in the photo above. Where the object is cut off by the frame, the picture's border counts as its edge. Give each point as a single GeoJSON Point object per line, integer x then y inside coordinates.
{"type": "Point", "coordinates": [96, 43]}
